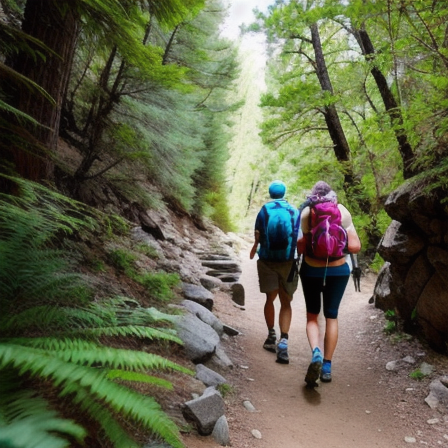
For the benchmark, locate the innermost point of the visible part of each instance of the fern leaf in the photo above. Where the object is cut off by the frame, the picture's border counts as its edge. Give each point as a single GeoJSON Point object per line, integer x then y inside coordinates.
{"type": "Point", "coordinates": [139, 377]}
{"type": "Point", "coordinates": [87, 353]}
{"type": "Point", "coordinates": [27, 421]}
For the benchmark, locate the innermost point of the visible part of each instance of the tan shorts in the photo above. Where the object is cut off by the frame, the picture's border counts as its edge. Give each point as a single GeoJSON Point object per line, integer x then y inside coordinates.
{"type": "Point", "coordinates": [272, 274]}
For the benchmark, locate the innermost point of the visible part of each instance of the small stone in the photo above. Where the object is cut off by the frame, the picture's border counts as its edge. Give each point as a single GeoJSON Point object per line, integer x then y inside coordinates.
{"type": "Point", "coordinates": [409, 389]}
{"type": "Point", "coordinates": [368, 412]}
{"type": "Point", "coordinates": [250, 379]}
{"type": "Point", "coordinates": [244, 367]}
{"type": "Point", "coordinates": [410, 439]}
{"type": "Point", "coordinates": [391, 365]}
{"type": "Point", "coordinates": [256, 433]}
{"type": "Point", "coordinates": [426, 368]}
{"type": "Point", "coordinates": [432, 421]}
{"type": "Point", "coordinates": [373, 317]}
{"type": "Point", "coordinates": [409, 360]}
{"type": "Point", "coordinates": [249, 406]}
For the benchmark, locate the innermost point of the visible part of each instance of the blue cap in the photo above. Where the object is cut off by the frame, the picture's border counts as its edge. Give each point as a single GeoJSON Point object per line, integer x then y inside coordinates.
{"type": "Point", "coordinates": [277, 189]}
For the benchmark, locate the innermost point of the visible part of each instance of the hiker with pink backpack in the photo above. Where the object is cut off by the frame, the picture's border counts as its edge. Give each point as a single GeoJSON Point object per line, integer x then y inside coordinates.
{"type": "Point", "coordinates": [327, 236]}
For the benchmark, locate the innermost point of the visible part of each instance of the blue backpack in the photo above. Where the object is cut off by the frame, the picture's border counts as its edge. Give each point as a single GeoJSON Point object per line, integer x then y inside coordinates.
{"type": "Point", "coordinates": [279, 230]}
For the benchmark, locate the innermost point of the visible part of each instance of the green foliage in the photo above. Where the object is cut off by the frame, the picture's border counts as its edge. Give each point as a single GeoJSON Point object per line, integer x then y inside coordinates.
{"type": "Point", "coordinates": [148, 250]}
{"type": "Point", "coordinates": [123, 260]}
{"type": "Point", "coordinates": [377, 263]}
{"type": "Point", "coordinates": [54, 335]}
{"type": "Point", "coordinates": [417, 374]}
{"type": "Point", "coordinates": [225, 389]}
{"type": "Point", "coordinates": [159, 284]}
{"type": "Point", "coordinates": [392, 321]}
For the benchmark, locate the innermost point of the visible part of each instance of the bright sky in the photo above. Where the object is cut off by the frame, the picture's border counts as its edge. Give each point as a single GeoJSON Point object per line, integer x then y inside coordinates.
{"type": "Point", "coordinates": [241, 12]}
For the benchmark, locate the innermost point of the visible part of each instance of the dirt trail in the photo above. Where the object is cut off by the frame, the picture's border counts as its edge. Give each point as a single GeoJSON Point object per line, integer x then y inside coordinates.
{"type": "Point", "coordinates": [357, 409]}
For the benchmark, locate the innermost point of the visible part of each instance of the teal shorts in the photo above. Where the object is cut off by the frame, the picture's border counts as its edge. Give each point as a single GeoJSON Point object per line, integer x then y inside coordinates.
{"type": "Point", "coordinates": [272, 274]}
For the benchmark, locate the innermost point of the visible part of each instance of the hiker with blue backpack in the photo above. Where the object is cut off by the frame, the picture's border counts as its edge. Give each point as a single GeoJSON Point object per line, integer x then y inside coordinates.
{"type": "Point", "coordinates": [327, 237]}
{"type": "Point", "coordinates": [276, 232]}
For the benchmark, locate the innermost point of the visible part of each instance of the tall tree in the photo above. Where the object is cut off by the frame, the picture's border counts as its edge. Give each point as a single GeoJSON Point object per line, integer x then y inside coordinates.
{"type": "Point", "coordinates": [55, 24]}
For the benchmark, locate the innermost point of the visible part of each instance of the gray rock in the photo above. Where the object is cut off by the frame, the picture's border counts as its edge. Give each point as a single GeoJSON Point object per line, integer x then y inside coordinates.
{"type": "Point", "coordinates": [200, 339]}
{"type": "Point", "coordinates": [208, 376]}
{"type": "Point", "coordinates": [204, 314]}
{"type": "Point", "coordinates": [238, 295]}
{"type": "Point", "coordinates": [198, 294]}
{"type": "Point", "coordinates": [415, 246]}
{"type": "Point", "coordinates": [230, 331]}
{"type": "Point", "coordinates": [249, 406]}
{"type": "Point", "coordinates": [438, 396]}
{"type": "Point", "coordinates": [221, 431]}
{"type": "Point", "coordinates": [222, 265]}
{"type": "Point", "coordinates": [205, 410]}
{"type": "Point", "coordinates": [210, 283]}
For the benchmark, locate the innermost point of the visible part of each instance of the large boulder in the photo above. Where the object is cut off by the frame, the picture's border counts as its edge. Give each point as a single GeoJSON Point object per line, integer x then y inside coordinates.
{"type": "Point", "coordinates": [414, 281]}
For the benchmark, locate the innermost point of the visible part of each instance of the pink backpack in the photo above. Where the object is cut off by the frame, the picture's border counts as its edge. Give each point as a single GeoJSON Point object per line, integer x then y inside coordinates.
{"type": "Point", "coordinates": [327, 239]}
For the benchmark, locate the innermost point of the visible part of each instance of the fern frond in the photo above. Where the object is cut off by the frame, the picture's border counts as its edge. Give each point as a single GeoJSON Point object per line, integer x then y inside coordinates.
{"type": "Point", "coordinates": [130, 330]}
{"type": "Point", "coordinates": [140, 378]}
{"type": "Point", "coordinates": [76, 381]}
{"type": "Point", "coordinates": [113, 431]}
{"type": "Point", "coordinates": [27, 421]}
{"type": "Point", "coordinates": [88, 354]}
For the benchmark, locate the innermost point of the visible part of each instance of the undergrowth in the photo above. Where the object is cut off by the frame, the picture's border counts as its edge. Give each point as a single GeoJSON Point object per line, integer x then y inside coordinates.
{"type": "Point", "coordinates": [53, 333]}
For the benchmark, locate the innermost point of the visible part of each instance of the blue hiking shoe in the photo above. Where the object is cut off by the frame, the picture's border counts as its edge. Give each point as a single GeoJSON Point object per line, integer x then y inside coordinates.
{"type": "Point", "coordinates": [314, 369]}
{"type": "Point", "coordinates": [325, 375]}
{"type": "Point", "coordinates": [282, 352]}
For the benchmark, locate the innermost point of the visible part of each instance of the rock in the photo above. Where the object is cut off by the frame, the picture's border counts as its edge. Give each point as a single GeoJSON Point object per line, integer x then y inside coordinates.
{"type": "Point", "coordinates": [209, 282]}
{"type": "Point", "coordinates": [392, 366]}
{"type": "Point", "coordinates": [410, 439]}
{"type": "Point", "coordinates": [238, 295]}
{"type": "Point", "coordinates": [230, 331]}
{"type": "Point", "coordinates": [415, 246]}
{"type": "Point", "coordinates": [438, 396]}
{"type": "Point", "coordinates": [221, 431]}
{"type": "Point", "coordinates": [205, 410]}
{"type": "Point", "coordinates": [256, 433]}
{"type": "Point", "coordinates": [200, 340]}
{"type": "Point", "coordinates": [208, 376]}
{"type": "Point", "coordinates": [409, 360]}
{"type": "Point", "coordinates": [204, 314]}
{"type": "Point", "coordinates": [198, 294]}
{"type": "Point", "coordinates": [222, 265]}
{"type": "Point", "coordinates": [249, 406]}
{"type": "Point", "coordinates": [426, 368]}
{"type": "Point", "coordinates": [220, 359]}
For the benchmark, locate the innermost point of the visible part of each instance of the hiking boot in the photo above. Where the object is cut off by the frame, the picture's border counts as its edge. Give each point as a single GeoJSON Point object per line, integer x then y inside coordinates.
{"type": "Point", "coordinates": [270, 343]}
{"type": "Point", "coordinates": [282, 351]}
{"type": "Point", "coordinates": [314, 369]}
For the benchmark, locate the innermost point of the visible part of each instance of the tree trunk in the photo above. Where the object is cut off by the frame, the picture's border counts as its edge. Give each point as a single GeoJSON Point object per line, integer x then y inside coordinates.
{"type": "Point", "coordinates": [392, 108]}
{"type": "Point", "coordinates": [55, 24]}
{"type": "Point", "coordinates": [337, 135]}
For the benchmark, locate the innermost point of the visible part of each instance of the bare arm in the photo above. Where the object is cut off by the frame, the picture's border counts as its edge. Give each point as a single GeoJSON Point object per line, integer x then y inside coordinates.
{"type": "Point", "coordinates": [253, 251]}
{"type": "Point", "coordinates": [354, 243]}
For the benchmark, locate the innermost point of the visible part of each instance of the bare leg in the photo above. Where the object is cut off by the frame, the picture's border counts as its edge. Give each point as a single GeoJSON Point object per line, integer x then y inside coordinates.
{"type": "Point", "coordinates": [285, 315]}
{"type": "Point", "coordinates": [331, 338]}
{"type": "Point", "coordinates": [269, 309]}
{"type": "Point", "coordinates": [312, 330]}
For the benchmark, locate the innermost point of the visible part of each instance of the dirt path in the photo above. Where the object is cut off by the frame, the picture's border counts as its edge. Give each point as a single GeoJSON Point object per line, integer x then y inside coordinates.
{"type": "Point", "coordinates": [357, 409]}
